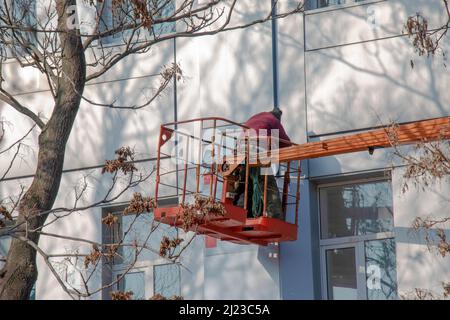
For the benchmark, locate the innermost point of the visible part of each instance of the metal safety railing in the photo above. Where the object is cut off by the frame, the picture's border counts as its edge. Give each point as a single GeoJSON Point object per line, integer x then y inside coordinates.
{"type": "Point", "coordinates": [194, 152]}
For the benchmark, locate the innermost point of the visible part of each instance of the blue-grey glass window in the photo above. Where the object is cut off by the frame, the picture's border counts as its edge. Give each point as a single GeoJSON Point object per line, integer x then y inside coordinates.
{"type": "Point", "coordinates": [164, 9]}
{"type": "Point", "coordinates": [167, 280]}
{"type": "Point", "coordinates": [314, 4]}
{"type": "Point", "coordinates": [381, 269]}
{"type": "Point", "coordinates": [23, 14]}
{"type": "Point", "coordinates": [118, 15]}
{"type": "Point", "coordinates": [341, 274]}
{"type": "Point", "coordinates": [356, 209]}
{"type": "Point", "coordinates": [134, 282]}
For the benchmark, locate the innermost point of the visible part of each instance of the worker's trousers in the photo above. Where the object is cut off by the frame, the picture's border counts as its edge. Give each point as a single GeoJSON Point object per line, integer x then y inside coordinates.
{"type": "Point", "coordinates": [273, 203]}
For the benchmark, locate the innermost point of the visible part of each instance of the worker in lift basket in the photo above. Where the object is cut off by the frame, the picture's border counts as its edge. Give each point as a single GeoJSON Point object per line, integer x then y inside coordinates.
{"type": "Point", "coordinates": [269, 121]}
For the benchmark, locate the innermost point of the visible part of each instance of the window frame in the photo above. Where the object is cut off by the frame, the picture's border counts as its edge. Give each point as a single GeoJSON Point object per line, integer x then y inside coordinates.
{"type": "Point", "coordinates": [166, 264]}
{"type": "Point", "coordinates": [360, 271]}
{"type": "Point", "coordinates": [6, 242]}
{"type": "Point", "coordinates": [353, 3]}
{"type": "Point", "coordinates": [120, 284]}
{"type": "Point", "coordinates": [119, 40]}
{"type": "Point", "coordinates": [109, 271]}
{"type": "Point", "coordinates": [338, 240]}
{"type": "Point", "coordinates": [356, 242]}
{"type": "Point", "coordinates": [20, 52]}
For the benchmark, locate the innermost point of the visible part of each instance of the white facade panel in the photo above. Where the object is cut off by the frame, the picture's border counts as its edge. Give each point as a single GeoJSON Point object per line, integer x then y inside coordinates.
{"type": "Point", "coordinates": [251, 273]}
{"type": "Point", "coordinates": [366, 21]}
{"type": "Point", "coordinates": [417, 266]}
{"type": "Point", "coordinates": [374, 81]}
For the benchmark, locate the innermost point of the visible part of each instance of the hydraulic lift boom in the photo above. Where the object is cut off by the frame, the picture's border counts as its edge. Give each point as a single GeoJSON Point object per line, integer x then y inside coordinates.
{"type": "Point", "coordinates": [385, 137]}
{"type": "Point", "coordinates": [238, 223]}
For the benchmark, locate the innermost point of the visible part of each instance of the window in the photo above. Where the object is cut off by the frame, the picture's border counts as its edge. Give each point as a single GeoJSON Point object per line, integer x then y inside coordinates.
{"type": "Point", "coordinates": [314, 4]}
{"type": "Point", "coordinates": [4, 247]}
{"type": "Point", "coordinates": [113, 235]}
{"type": "Point", "coordinates": [132, 281]}
{"type": "Point", "coordinates": [121, 13]}
{"type": "Point", "coordinates": [118, 15]}
{"type": "Point", "coordinates": [380, 269]}
{"type": "Point", "coordinates": [23, 14]}
{"type": "Point", "coordinates": [148, 267]}
{"type": "Point", "coordinates": [33, 292]}
{"type": "Point", "coordinates": [165, 8]}
{"type": "Point", "coordinates": [341, 273]}
{"type": "Point", "coordinates": [357, 242]}
{"type": "Point", "coordinates": [166, 280]}
{"type": "Point", "coordinates": [112, 267]}
{"type": "Point", "coordinates": [356, 210]}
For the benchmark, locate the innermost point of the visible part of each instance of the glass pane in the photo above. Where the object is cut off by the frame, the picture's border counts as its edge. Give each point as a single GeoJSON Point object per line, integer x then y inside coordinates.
{"type": "Point", "coordinates": [4, 247]}
{"type": "Point", "coordinates": [166, 11]}
{"type": "Point", "coordinates": [313, 4]}
{"type": "Point", "coordinates": [113, 235]}
{"type": "Point", "coordinates": [33, 292]}
{"type": "Point", "coordinates": [381, 269]}
{"type": "Point", "coordinates": [326, 3]}
{"type": "Point", "coordinates": [167, 280]}
{"type": "Point", "coordinates": [341, 274]}
{"type": "Point", "coordinates": [135, 282]}
{"type": "Point", "coordinates": [135, 229]}
{"type": "Point", "coordinates": [357, 209]}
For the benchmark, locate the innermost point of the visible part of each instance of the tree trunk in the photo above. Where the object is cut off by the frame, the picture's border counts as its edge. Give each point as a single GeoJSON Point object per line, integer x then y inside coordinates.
{"type": "Point", "coordinates": [20, 271]}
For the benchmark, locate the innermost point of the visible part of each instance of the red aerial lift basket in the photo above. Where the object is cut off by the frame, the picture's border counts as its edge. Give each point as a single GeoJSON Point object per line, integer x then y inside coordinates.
{"type": "Point", "coordinates": [214, 158]}
{"type": "Point", "coordinates": [223, 161]}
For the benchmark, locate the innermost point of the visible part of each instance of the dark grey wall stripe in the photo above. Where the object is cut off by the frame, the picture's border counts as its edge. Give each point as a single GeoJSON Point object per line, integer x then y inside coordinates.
{"type": "Point", "coordinates": [337, 7]}
{"type": "Point", "coordinates": [276, 101]}
{"type": "Point", "coordinates": [81, 169]}
{"type": "Point", "coordinates": [175, 105]}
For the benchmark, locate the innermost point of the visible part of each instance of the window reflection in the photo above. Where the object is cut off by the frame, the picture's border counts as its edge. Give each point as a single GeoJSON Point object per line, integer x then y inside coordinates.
{"type": "Point", "coordinates": [354, 210]}
{"type": "Point", "coordinates": [134, 282]}
{"type": "Point", "coordinates": [341, 271]}
{"type": "Point", "coordinates": [167, 280]}
{"type": "Point", "coordinates": [381, 269]}
{"type": "Point", "coordinates": [314, 4]}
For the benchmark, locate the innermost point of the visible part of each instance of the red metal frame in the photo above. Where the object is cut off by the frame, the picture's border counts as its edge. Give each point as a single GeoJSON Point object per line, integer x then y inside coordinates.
{"type": "Point", "coordinates": [234, 226]}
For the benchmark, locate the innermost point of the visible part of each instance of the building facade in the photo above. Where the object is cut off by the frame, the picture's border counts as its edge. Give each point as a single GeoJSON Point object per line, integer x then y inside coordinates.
{"type": "Point", "coordinates": [340, 67]}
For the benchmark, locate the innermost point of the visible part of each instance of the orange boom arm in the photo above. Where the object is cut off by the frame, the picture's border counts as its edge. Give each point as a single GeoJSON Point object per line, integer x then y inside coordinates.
{"type": "Point", "coordinates": [426, 130]}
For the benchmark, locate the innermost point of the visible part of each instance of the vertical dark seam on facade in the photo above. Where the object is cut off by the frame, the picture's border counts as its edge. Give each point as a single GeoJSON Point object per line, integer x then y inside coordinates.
{"type": "Point", "coordinates": [175, 104]}
{"type": "Point", "coordinates": [276, 102]}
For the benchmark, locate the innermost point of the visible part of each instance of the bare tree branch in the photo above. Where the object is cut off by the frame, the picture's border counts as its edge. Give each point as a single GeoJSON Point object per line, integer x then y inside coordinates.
{"type": "Point", "coordinates": [10, 100]}
{"type": "Point", "coordinates": [426, 41]}
{"type": "Point", "coordinates": [68, 57]}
